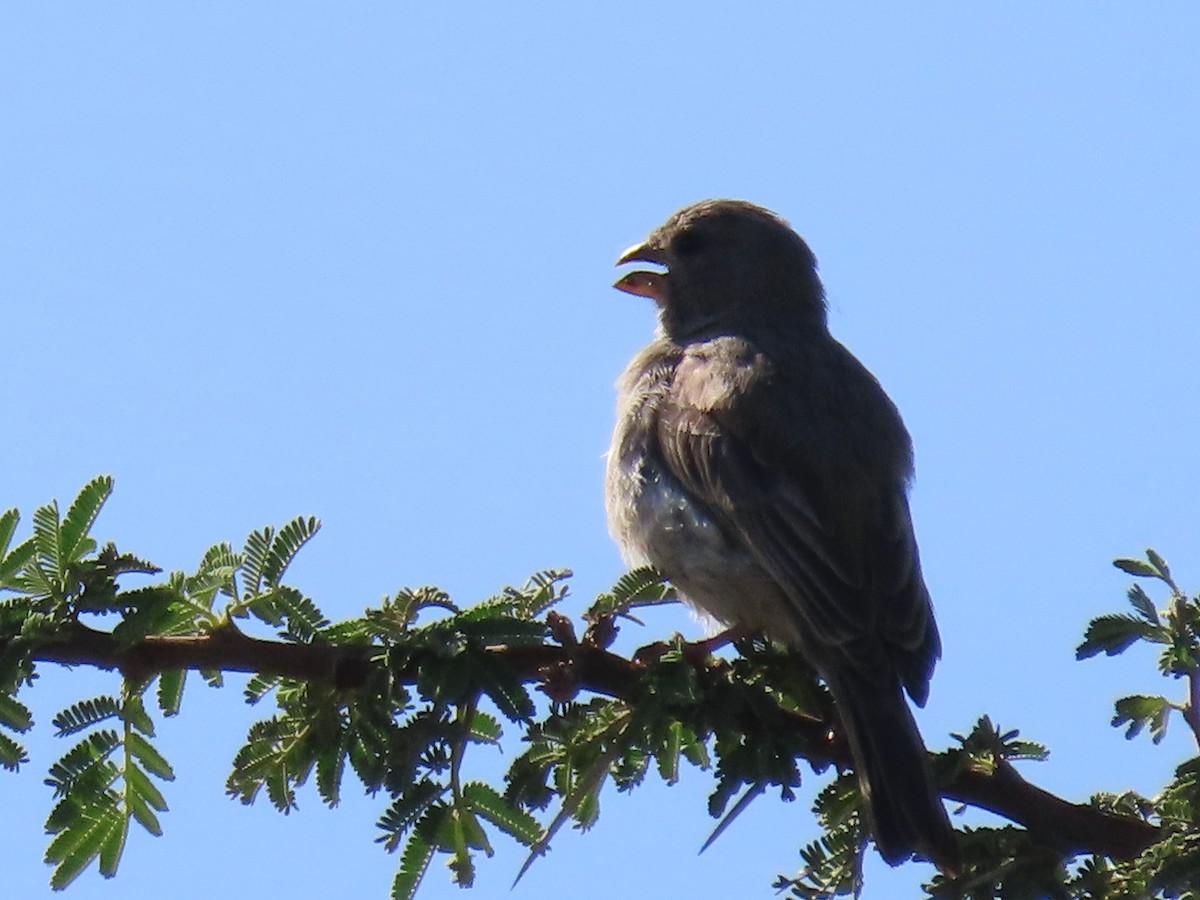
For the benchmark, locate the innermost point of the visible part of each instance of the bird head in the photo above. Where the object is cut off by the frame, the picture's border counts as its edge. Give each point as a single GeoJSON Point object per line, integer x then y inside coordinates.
{"type": "Point", "coordinates": [729, 265]}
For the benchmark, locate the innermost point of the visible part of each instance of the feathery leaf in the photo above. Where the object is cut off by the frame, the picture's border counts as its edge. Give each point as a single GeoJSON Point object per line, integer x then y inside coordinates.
{"type": "Point", "coordinates": [85, 714]}
{"type": "Point", "coordinates": [81, 516]}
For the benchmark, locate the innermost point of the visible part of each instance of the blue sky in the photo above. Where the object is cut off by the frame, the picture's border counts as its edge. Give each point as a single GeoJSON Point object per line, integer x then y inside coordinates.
{"type": "Point", "coordinates": [268, 259]}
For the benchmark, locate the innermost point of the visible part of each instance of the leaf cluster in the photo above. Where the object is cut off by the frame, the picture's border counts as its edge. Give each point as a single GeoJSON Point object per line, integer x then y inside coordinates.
{"type": "Point", "coordinates": [1011, 862]}
{"type": "Point", "coordinates": [56, 586]}
{"type": "Point", "coordinates": [423, 681]}
{"type": "Point", "coordinates": [1175, 629]}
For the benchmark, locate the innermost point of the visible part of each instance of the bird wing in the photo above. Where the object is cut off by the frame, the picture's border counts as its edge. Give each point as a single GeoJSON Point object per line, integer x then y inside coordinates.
{"type": "Point", "coordinates": [788, 474]}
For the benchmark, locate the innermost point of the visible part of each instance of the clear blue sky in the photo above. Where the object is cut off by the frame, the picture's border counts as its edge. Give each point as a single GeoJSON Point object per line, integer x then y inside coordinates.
{"type": "Point", "coordinates": [355, 260]}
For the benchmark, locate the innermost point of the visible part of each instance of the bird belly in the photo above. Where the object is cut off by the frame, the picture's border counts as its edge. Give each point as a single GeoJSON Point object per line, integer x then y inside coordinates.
{"type": "Point", "coordinates": [656, 521]}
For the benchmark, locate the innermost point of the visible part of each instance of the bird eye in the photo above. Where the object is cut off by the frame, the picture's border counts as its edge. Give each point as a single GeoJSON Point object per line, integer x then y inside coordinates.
{"type": "Point", "coordinates": [688, 243]}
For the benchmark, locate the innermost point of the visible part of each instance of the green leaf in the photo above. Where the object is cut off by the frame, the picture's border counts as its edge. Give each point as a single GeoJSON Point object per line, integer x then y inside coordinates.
{"type": "Point", "coordinates": [41, 581]}
{"type": "Point", "coordinates": [487, 626]}
{"type": "Point", "coordinates": [134, 714]}
{"type": "Point", "coordinates": [1140, 711]}
{"type": "Point", "coordinates": [154, 609]}
{"type": "Point", "coordinates": [259, 686]}
{"type": "Point", "coordinates": [81, 516]}
{"type": "Point", "coordinates": [14, 714]}
{"type": "Point", "coordinates": [1141, 602]}
{"type": "Point", "coordinates": [16, 663]}
{"type": "Point", "coordinates": [275, 756]}
{"type": "Point", "coordinates": [8, 526]}
{"type": "Point", "coordinates": [12, 754]}
{"type": "Point", "coordinates": [1030, 750]}
{"type": "Point", "coordinates": [643, 586]}
{"type": "Point", "coordinates": [125, 563]}
{"type": "Point", "coordinates": [512, 820]}
{"type": "Point", "coordinates": [1113, 634]}
{"type": "Point", "coordinates": [833, 867]}
{"type": "Point", "coordinates": [407, 810]}
{"type": "Point", "coordinates": [1159, 564]}
{"type": "Point", "coordinates": [414, 863]}
{"type": "Point", "coordinates": [14, 562]}
{"type": "Point", "coordinates": [141, 812]}
{"type": "Point", "coordinates": [1179, 658]}
{"type": "Point", "coordinates": [504, 689]}
{"type": "Point", "coordinates": [265, 607]}
{"type": "Point", "coordinates": [254, 556]}
{"type": "Point", "coordinates": [838, 801]}
{"type": "Point", "coordinates": [397, 613]}
{"type": "Point", "coordinates": [76, 846]}
{"type": "Point", "coordinates": [254, 761]}
{"type": "Point", "coordinates": [666, 755]}
{"type": "Point", "coordinates": [170, 690]}
{"type": "Point", "coordinates": [331, 765]}
{"type": "Point", "coordinates": [485, 729]}
{"type": "Point", "coordinates": [280, 790]}
{"type": "Point", "coordinates": [85, 714]}
{"type": "Point", "coordinates": [138, 784]}
{"type": "Point", "coordinates": [287, 543]}
{"type": "Point", "coordinates": [86, 761]}
{"type": "Point", "coordinates": [47, 538]}
{"type": "Point", "coordinates": [541, 591]}
{"type": "Point", "coordinates": [459, 831]}
{"type": "Point", "coordinates": [303, 618]}
{"type": "Point", "coordinates": [581, 795]}
{"type": "Point", "coordinates": [142, 798]}
{"type": "Point", "coordinates": [150, 758]}
{"type": "Point", "coordinates": [214, 575]}
{"type": "Point", "coordinates": [1136, 567]}
{"type": "Point", "coordinates": [113, 847]}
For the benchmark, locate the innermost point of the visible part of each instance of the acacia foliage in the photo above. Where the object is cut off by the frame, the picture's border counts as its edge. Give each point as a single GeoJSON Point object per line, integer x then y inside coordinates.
{"type": "Point", "coordinates": [398, 697]}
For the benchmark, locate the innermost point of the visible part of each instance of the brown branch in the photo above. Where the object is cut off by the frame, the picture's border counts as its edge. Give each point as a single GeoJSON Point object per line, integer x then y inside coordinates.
{"type": "Point", "coordinates": [1078, 826]}
{"type": "Point", "coordinates": [229, 650]}
{"type": "Point", "coordinates": [225, 649]}
{"type": "Point", "coordinates": [1002, 790]}
{"type": "Point", "coordinates": [1191, 712]}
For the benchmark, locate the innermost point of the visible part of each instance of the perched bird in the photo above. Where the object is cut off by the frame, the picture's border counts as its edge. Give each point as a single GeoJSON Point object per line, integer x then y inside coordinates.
{"type": "Point", "coordinates": [762, 469]}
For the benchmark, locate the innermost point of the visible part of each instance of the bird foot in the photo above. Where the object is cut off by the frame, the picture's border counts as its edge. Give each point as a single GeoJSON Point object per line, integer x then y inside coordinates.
{"type": "Point", "coordinates": [722, 639]}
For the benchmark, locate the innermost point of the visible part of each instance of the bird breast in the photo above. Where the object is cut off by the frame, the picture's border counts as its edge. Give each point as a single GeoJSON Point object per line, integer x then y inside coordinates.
{"type": "Point", "coordinates": [655, 520]}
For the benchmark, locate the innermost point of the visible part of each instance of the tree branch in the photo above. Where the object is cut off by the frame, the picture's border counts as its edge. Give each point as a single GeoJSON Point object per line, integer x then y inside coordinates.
{"type": "Point", "coordinates": [1079, 826]}
{"type": "Point", "coordinates": [1002, 790]}
{"type": "Point", "coordinates": [1191, 712]}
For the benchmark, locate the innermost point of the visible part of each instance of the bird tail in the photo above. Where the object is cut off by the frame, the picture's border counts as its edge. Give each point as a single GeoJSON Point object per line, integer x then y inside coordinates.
{"type": "Point", "coordinates": [904, 809]}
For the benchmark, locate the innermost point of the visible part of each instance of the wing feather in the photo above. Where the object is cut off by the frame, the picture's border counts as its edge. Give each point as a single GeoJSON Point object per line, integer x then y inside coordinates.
{"type": "Point", "coordinates": [844, 554]}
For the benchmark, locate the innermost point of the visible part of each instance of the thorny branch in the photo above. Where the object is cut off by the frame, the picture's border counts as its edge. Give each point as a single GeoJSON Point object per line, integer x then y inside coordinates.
{"type": "Point", "coordinates": [1001, 789]}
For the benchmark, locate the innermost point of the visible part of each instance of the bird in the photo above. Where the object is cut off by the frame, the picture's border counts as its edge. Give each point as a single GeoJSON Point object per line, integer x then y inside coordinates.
{"type": "Point", "coordinates": [762, 469]}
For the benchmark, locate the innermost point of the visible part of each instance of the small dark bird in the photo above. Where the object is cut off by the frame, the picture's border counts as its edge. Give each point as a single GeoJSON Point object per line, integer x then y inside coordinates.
{"type": "Point", "coordinates": [763, 470]}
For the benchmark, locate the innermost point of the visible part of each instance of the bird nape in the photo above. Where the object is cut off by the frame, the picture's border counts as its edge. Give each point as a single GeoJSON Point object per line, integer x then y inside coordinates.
{"type": "Point", "coordinates": [762, 468]}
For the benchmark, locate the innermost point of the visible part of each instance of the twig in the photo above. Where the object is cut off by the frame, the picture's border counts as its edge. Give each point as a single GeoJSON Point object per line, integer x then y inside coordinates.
{"type": "Point", "coordinates": [1192, 714]}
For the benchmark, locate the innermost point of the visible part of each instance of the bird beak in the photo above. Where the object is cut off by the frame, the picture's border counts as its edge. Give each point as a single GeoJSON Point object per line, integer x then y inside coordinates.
{"type": "Point", "coordinates": [644, 284]}
{"type": "Point", "coordinates": [643, 253]}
